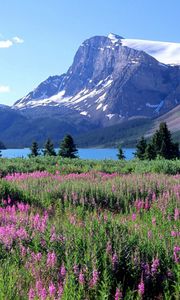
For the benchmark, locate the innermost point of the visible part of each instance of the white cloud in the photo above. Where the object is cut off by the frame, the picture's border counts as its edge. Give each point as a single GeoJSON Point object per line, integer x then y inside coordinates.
{"type": "Point", "coordinates": [11, 42]}
{"type": "Point", "coordinates": [6, 44]}
{"type": "Point", "coordinates": [17, 40]}
{"type": "Point", "coordinates": [4, 89]}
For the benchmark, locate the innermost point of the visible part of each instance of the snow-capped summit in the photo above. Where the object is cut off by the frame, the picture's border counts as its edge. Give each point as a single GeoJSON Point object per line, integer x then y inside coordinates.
{"type": "Point", "coordinates": [114, 37]}
{"type": "Point", "coordinates": [164, 52]}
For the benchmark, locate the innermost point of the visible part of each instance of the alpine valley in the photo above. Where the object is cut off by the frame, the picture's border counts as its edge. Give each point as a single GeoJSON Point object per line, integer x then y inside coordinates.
{"type": "Point", "coordinates": [115, 91]}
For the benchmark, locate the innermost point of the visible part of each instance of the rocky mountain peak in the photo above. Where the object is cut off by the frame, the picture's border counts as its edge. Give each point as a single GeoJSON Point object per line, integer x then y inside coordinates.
{"type": "Point", "coordinates": [107, 82]}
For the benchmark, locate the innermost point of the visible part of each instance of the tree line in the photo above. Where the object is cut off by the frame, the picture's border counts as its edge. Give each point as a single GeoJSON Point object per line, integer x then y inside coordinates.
{"type": "Point", "coordinates": [67, 148]}
{"type": "Point", "coordinates": [161, 145]}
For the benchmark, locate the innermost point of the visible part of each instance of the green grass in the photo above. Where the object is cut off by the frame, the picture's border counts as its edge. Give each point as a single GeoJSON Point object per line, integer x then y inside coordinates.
{"type": "Point", "coordinates": [109, 225]}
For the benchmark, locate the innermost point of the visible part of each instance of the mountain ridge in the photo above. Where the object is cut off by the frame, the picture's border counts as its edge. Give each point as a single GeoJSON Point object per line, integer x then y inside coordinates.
{"type": "Point", "coordinates": [104, 69]}
{"type": "Point", "coordinates": [107, 84]}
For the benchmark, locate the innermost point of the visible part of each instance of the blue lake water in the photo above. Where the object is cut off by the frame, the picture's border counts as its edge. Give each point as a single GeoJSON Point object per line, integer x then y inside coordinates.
{"type": "Point", "coordinates": [83, 153]}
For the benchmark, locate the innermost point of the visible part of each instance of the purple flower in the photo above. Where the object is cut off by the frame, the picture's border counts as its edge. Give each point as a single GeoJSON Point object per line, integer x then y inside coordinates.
{"type": "Point", "coordinates": [51, 259]}
{"type": "Point", "coordinates": [154, 266]}
{"type": "Point", "coordinates": [133, 217]}
{"type": "Point", "coordinates": [114, 260]}
{"type": "Point", "coordinates": [176, 256]}
{"type": "Point", "coordinates": [52, 289]}
{"type": "Point", "coordinates": [176, 214]}
{"type": "Point", "coordinates": [43, 294]}
{"type": "Point", "coordinates": [63, 271]}
{"type": "Point", "coordinates": [31, 294]}
{"type": "Point", "coordinates": [141, 288]}
{"type": "Point", "coordinates": [81, 278]}
{"type": "Point", "coordinates": [95, 277]}
{"type": "Point", "coordinates": [118, 294]}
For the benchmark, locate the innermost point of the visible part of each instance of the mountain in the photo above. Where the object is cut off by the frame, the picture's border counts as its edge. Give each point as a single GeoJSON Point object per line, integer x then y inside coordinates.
{"type": "Point", "coordinates": [112, 84]}
{"type": "Point", "coordinates": [18, 130]}
{"type": "Point", "coordinates": [110, 81]}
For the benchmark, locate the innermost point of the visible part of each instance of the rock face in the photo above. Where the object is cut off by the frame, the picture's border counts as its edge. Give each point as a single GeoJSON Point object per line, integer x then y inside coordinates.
{"type": "Point", "coordinates": [107, 83]}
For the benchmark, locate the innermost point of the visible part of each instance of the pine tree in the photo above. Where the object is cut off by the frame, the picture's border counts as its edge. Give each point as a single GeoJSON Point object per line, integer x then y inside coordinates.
{"type": "Point", "coordinates": [0, 153]}
{"type": "Point", "coordinates": [49, 148]}
{"type": "Point", "coordinates": [141, 148]}
{"type": "Point", "coordinates": [120, 154]}
{"type": "Point", "coordinates": [34, 150]}
{"type": "Point", "coordinates": [68, 148]}
{"type": "Point", "coordinates": [156, 142]}
{"type": "Point", "coordinates": [162, 143]}
{"type": "Point", "coordinates": [175, 150]}
{"type": "Point", "coordinates": [150, 152]}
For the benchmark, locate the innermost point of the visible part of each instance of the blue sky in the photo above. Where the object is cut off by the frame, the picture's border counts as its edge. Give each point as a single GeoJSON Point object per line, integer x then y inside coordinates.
{"type": "Point", "coordinates": [39, 38]}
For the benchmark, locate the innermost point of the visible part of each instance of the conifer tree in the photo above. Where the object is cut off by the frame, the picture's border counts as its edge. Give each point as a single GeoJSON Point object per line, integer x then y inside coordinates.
{"type": "Point", "coordinates": [68, 148]}
{"type": "Point", "coordinates": [34, 150]}
{"type": "Point", "coordinates": [150, 152]}
{"type": "Point", "coordinates": [163, 144]}
{"type": "Point", "coordinates": [141, 148]}
{"type": "Point", "coordinates": [49, 148]}
{"type": "Point", "coordinates": [120, 154]}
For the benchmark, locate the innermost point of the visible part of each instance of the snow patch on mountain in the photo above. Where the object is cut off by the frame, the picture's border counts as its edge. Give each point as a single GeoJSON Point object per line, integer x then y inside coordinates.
{"type": "Point", "coordinates": [110, 116]}
{"type": "Point", "coordinates": [164, 52]}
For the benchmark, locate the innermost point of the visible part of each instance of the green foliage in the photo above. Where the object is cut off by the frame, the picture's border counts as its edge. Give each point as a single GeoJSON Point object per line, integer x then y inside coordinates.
{"type": "Point", "coordinates": [49, 148]}
{"type": "Point", "coordinates": [141, 148]}
{"type": "Point", "coordinates": [161, 145]}
{"type": "Point", "coordinates": [120, 154]}
{"type": "Point", "coordinates": [117, 225]}
{"type": "Point", "coordinates": [126, 134]}
{"type": "Point", "coordinates": [68, 148]}
{"type": "Point", "coordinates": [150, 152]}
{"type": "Point", "coordinates": [53, 164]}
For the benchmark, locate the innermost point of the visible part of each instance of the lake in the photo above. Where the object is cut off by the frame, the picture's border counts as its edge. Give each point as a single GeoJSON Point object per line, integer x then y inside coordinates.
{"type": "Point", "coordinates": [83, 153]}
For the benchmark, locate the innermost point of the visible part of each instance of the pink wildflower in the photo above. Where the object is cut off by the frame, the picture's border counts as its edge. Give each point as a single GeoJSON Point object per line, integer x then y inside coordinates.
{"type": "Point", "coordinates": [154, 266]}
{"type": "Point", "coordinates": [176, 255]}
{"type": "Point", "coordinates": [43, 294]}
{"type": "Point", "coordinates": [51, 259]}
{"type": "Point", "coordinates": [114, 260]}
{"type": "Point", "coordinates": [149, 234]}
{"type": "Point", "coordinates": [60, 290]}
{"type": "Point", "coordinates": [141, 288]}
{"type": "Point", "coordinates": [118, 294]}
{"type": "Point", "coordinates": [63, 271]}
{"type": "Point", "coordinates": [133, 217]}
{"type": "Point", "coordinates": [154, 221]}
{"type": "Point", "coordinates": [95, 277]}
{"type": "Point", "coordinates": [81, 278]}
{"type": "Point", "coordinates": [31, 294]}
{"type": "Point", "coordinates": [76, 269]}
{"type": "Point", "coordinates": [176, 214]}
{"type": "Point", "coordinates": [52, 289]}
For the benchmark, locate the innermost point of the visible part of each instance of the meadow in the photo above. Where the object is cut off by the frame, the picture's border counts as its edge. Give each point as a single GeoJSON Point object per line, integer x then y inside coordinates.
{"type": "Point", "coordinates": [86, 230]}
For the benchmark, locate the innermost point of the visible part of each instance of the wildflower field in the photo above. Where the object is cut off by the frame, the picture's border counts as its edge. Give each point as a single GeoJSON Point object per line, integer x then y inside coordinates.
{"type": "Point", "coordinates": [89, 230]}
